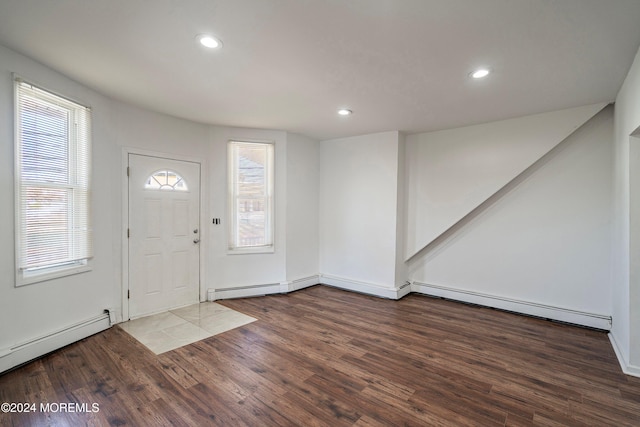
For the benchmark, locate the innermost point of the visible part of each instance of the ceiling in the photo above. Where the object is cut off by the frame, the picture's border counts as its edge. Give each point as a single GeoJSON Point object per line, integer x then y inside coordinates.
{"type": "Point", "coordinates": [290, 64]}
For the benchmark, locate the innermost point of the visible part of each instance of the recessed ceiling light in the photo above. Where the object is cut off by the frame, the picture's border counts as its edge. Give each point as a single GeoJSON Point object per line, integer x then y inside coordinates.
{"type": "Point", "coordinates": [209, 41]}
{"type": "Point", "coordinates": [480, 73]}
{"type": "Point", "coordinates": [345, 112]}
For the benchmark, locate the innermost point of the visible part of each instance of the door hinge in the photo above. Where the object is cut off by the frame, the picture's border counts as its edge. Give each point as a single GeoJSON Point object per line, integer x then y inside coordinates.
{"type": "Point", "coordinates": [128, 294]}
{"type": "Point", "coordinates": [128, 233]}
{"type": "Point", "coordinates": [128, 170]}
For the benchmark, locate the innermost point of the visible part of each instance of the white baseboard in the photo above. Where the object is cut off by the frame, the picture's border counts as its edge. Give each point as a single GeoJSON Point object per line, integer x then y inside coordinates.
{"type": "Point", "coordinates": [622, 360]}
{"type": "Point", "coordinates": [243, 291]}
{"type": "Point", "coordinates": [304, 282]}
{"type": "Point", "coordinates": [364, 287]}
{"type": "Point", "coordinates": [404, 290]}
{"type": "Point", "coordinates": [264, 289]}
{"type": "Point", "coordinates": [25, 352]}
{"type": "Point", "coordinates": [592, 320]}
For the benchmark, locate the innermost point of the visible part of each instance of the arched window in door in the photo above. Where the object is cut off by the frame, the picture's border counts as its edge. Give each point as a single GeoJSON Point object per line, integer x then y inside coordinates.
{"type": "Point", "coordinates": [166, 180]}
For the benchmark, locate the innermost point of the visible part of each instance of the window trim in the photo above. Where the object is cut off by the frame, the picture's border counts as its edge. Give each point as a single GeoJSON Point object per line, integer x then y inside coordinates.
{"type": "Point", "coordinates": [26, 276]}
{"type": "Point", "coordinates": [270, 200]}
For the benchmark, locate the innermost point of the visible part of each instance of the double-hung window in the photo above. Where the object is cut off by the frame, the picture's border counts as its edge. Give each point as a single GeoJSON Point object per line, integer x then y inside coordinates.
{"type": "Point", "coordinates": [53, 228]}
{"type": "Point", "coordinates": [251, 183]}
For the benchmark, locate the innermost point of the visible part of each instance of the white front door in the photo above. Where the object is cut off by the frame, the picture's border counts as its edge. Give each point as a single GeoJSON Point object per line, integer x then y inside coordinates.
{"type": "Point", "coordinates": [164, 234]}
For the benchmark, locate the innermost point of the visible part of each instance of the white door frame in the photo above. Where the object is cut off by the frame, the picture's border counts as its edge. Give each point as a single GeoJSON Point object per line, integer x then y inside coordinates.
{"type": "Point", "coordinates": [124, 307]}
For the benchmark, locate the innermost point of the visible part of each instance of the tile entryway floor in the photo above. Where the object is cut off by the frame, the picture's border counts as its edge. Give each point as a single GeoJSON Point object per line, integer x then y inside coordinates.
{"type": "Point", "coordinates": [175, 328]}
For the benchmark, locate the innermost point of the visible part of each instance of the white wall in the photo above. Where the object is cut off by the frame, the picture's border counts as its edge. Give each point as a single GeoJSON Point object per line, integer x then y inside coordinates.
{"type": "Point", "coordinates": [303, 169]}
{"type": "Point", "coordinates": [401, 209]}
{"type": "Point", "coordinates": [358, 208]}
{"type": "Point", "coordinates": [553, 226]}
{"type": "Point", "coordinates": [144, 132]}
{"type": "Point", "coordinates": [454, 171]}
{"type": "Point", "coordinates": [626, 288]}
{"type": "Point", "coordinates": [158, 133]}
{"type": "Point", "coordinates": [35, 310]}
{"type": "Point", "coordinates": [633, 296]}
{"type": "Point", "coordinates": [41, 309]}
{"type": "Point", "coordinates": [240, 270]}
{"type": "Point", "coordinates": [546, 240]}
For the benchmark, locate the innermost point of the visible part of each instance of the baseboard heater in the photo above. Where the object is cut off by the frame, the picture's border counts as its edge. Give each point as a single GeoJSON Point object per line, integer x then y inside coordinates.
{"type": "Point", "coordinates": [559, 314]}
{"type": "Point", "coordinates": [262, 289]}
{"type": "Point", "coordinates": [243, 291]}
{"type": "Point", "coordinates": [22, 353]}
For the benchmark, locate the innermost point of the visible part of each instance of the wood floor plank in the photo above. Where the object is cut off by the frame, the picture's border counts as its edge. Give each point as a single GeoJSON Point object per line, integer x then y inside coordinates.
{"type": "Point", "coordinates": [326, 357]}
{"type": "Point", "coordinates": [160, 413]}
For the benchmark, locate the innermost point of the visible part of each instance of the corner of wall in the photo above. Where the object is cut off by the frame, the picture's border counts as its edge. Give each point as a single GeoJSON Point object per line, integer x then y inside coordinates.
{"type": "Point", "coordinates": [627, 368]}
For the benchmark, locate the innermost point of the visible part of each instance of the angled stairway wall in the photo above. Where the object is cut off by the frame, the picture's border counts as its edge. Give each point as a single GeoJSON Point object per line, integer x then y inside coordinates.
{"type": "Point", "coordinates": [452, 172]}
{"type": "Point", "coordinates": [539, 238]}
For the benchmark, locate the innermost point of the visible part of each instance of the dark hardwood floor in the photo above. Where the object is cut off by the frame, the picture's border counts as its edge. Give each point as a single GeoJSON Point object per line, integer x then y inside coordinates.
{"type": "Point", "coordinates": [323, 356]}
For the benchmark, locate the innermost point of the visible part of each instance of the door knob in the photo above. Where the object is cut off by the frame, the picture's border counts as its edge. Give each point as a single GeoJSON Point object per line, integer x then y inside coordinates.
{"type": "Point", "coordinates": [196, 240]}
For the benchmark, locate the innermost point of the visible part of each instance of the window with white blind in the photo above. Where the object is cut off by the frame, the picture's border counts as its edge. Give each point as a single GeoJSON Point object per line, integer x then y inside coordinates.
{"type": "Point", "coordinates": [251, 167]}
{"type": "Point", "coordinates": [53, 228]}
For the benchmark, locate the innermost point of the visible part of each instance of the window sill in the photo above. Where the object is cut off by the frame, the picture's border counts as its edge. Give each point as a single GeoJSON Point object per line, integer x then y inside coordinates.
{"type": "Point", "coordinates": [49, 274]}
{"type": "Point", "coordinates": [251, 251]}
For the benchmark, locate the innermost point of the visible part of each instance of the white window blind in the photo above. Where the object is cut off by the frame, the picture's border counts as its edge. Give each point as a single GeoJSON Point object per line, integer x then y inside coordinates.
{"type": "Point", "coordinates": [53, 182]}
{"type": "Point", "coordinates": [251, 167]}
